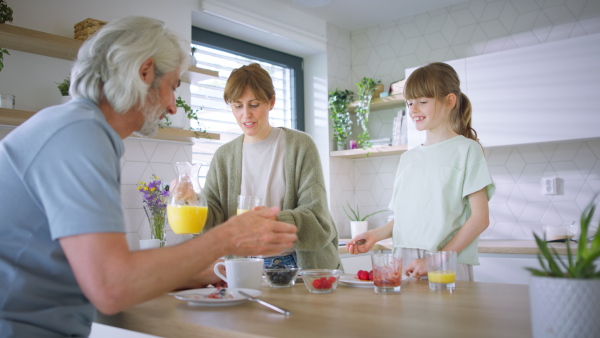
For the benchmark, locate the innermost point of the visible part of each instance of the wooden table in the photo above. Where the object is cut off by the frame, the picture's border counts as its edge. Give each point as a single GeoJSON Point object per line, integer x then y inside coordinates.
{"type": "Point", "coordinates": [472, 310]}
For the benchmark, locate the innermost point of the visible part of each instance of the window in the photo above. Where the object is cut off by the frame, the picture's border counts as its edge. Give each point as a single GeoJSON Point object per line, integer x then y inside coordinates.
{"type": "Point", "coordinates": [223, 54]}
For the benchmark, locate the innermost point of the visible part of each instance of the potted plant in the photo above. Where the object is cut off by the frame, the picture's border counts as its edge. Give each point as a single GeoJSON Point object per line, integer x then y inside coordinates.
{"type": "Point", "coordinates": [564, 295]}
{"type": "Point", "coordinates": [2, 52]}
{"type": "Point", "coordinates": [366, 87]}
{"type": "Point", "coordinates": [358, 224]}
{"type": "Point", "coordinates": [5, 15]}
{"type": "Point", "coordinates": [5, 12]}
{"type": "Point", "coordinates": [191, 114]}
{"type": "Point", "coordinates": [339, 100]}
{"type": "Point", "coordinates": [63, 88]}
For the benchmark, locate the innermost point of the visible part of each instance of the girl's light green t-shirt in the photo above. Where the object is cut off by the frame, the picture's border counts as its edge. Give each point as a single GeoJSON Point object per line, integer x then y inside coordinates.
{"type": "Point", "coordinates": [430, 200]}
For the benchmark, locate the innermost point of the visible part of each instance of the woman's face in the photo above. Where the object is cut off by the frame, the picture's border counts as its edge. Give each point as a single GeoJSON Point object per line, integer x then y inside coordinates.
{"type": "Point", "coordinates": [252, 116]}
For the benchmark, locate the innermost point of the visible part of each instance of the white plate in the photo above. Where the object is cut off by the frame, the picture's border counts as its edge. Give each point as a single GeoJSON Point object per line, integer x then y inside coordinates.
{"type": "Point", "coordinates": [199, 296]}
{"type": "Point", "coordinates": [352, 280]}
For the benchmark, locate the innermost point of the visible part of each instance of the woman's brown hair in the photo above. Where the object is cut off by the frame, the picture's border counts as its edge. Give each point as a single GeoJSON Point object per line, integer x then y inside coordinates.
{"type": "Point", "coordinates": [252, 76]}
{"type": "Point", "coordinates": [437, 80]}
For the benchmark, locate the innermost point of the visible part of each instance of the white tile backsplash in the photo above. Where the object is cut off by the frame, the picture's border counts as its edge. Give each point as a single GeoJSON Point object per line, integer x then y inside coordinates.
{"type": "Point", "coordinates": [468, 29]}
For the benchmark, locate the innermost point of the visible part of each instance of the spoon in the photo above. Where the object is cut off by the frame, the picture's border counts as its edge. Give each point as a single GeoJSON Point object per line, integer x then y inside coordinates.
{"type": "Point", "coordinates": [262, 302]}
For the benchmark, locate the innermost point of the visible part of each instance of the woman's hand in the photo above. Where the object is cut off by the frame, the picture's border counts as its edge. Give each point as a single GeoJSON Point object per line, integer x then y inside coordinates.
{"type": "Point", "coordinates": [260, 207]}
{"type": "Point", "coordinates": [417, 268]}
{"type": "Point", "coordinates": [361, 243]}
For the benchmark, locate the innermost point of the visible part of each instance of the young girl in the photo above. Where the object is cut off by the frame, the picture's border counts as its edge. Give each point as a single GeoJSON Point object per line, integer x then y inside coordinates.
{"type": "Point", "coordinates": [442, 188]}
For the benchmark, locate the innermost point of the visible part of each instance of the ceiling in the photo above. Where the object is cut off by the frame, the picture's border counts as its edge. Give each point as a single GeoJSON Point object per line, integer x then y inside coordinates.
{"type": "Point", "coordinates": [349, 15]}
{"type": "Point", "coordinates": [356, 14]}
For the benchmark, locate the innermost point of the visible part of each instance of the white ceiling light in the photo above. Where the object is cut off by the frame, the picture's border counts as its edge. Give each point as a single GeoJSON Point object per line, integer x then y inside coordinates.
{"type": "Point", "coordinates": [311, 3]}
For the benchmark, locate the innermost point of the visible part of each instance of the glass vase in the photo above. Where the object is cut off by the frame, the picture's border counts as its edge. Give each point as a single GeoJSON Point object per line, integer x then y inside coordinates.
{"type": "Point", "coordinates": [157, 218]}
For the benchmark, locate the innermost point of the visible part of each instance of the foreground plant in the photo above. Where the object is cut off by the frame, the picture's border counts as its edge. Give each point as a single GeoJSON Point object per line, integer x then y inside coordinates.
{"type": "Point", "coordinates": [581, 265]}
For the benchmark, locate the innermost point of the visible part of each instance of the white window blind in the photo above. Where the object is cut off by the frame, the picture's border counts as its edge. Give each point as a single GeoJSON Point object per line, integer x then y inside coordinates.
{"type": "Point", "coordinates": [215, 114]}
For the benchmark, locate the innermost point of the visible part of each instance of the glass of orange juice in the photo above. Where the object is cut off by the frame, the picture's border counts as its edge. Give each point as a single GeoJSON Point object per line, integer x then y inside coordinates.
{"type": "Point", "coordinates": [246, 203]}
{"type": "Point", "coordinates": [187, 208]}
{"type": "Point", "coordinates": [441, 267]}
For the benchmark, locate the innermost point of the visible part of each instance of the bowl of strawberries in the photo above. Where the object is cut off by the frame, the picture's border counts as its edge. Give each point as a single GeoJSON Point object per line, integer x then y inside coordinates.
{"type": "Point", "coordinates": [321, 280]}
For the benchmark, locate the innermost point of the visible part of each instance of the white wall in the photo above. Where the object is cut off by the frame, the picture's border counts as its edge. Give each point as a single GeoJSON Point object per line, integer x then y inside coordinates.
{"type": "Point", "coordinates": [472, 28]}
{"type": "Point", "coordinates": [315, 106]}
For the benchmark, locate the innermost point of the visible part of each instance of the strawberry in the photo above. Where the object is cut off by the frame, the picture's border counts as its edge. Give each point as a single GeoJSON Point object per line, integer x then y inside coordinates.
{"type": "Point", "coordinates": [317, 284]}
{"type": "Point", "coordinates": [363, 275]}
{"type": "Point", "coordinates": [332, 279]}
{"type": "Point", "coordinates": [371, 275]}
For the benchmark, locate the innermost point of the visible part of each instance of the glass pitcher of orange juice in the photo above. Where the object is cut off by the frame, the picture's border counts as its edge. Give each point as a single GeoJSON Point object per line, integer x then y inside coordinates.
{"type": "Point", "coordinates": [187, 208]}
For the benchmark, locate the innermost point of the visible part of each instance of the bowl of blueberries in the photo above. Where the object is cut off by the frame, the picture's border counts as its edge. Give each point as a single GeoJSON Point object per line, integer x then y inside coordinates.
{"type": "Point", "coordinates": [281, 276]}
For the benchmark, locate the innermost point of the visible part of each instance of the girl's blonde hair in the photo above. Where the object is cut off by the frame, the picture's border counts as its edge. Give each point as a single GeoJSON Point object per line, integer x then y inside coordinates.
{"type": "Point", "coordinates": [437, 80]}
{"type": "Point", "coordinates": [252, 76]}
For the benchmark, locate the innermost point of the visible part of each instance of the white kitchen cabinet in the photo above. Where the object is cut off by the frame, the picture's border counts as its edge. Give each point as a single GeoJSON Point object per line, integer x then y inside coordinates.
{"type": "Point", "coordinates": [508, 268]}
{"type": "Point", "coordinates": [504, 268]}
{"type": "Point", "coordinates": [540, 93]}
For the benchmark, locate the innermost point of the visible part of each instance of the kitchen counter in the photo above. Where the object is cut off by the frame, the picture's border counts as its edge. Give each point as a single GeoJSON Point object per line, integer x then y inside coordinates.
{"type": "Point", "coordinates": [523, 247]}
{"type": "Point", "coordinates": [473, 310]}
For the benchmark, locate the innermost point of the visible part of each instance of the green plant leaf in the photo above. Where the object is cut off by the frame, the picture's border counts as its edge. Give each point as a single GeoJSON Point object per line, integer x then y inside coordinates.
{"type": "Point", "coordinates": [553, 268]}
{"type": "Point", "coordinates": [536, 272]}
{"type": "Point", "coordinates": [586, 218]}
{"type": "Point", "coordinates": [371, 214]}
{"type": "Point", "coordinates": [582, 264]}
{"type": "Point", "coordinates": [191, 115]}
{"type": "Point", "coordinates": [355, 218]}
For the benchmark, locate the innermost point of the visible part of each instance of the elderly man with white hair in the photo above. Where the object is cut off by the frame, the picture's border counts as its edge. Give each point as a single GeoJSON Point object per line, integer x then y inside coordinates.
{"type": "Point", "coordinates": [63, 250]}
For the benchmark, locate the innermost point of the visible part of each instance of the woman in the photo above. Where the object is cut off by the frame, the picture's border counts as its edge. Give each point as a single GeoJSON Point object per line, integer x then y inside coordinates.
{"type": "Point", "coordinates": [278, 164]}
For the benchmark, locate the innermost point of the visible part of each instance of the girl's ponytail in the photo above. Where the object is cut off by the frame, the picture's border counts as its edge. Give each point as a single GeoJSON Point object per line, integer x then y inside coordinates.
{"type": "Point", "coordinates": [460, 118]}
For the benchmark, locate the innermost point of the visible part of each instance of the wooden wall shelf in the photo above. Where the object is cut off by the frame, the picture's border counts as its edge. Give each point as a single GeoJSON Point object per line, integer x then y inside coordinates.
{"type": "Point", "coordinates": [372, 152]}
{"type": "Point", "coordinates": [13, 117]}
{"type": "Point", "coordinates": [381, 103]}
{"type": "Point", "coordinates": [56, 46]}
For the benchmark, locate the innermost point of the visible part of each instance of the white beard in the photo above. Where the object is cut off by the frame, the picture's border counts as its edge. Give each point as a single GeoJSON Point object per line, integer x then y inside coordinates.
{"type": "Point", "coordinates": [152, 113]}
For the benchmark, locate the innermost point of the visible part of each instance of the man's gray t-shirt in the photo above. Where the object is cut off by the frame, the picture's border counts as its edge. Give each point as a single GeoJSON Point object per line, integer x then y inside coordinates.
{"type": "Point", "coordinates": [60, 176]}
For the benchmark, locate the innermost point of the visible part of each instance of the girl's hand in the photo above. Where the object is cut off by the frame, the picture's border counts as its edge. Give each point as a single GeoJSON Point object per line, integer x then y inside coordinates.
{"type": "Point", "coordinates": [361, 243]}
{"type": "Point", "coordinates": [417, 268]}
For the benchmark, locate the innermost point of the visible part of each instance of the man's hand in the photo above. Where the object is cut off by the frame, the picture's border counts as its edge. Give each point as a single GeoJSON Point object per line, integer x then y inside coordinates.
{"type": "Point", "coordinates": [253, 234]}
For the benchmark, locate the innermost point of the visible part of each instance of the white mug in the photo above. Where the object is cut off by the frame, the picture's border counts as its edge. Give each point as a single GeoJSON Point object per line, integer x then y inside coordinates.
{"type": "Point", "coordinates": [243, 273]}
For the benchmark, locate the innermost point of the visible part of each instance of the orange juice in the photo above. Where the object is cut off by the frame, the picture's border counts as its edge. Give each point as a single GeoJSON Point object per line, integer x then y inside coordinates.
{"type": "Point", "coordinates": [443, 277]}
{"type": "Point", "coordinates": [187, 219]}
{"type": "Point", "coordinates": [241, 211]}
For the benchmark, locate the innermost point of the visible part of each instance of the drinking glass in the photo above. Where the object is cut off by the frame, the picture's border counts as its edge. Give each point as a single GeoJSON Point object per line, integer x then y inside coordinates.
{"type": "Point", "coordinates": [441, 267]}
{"type": "Point", "coordinates": [387, 273]}
{"type": "Point", "coordinates": [187, 208]}
{"type": "Point", "coordinates": [246, 203]}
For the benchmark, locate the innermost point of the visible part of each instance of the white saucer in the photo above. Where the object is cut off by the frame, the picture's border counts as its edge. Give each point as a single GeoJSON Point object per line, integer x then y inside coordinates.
{"type": "Point", "coordinates": [352, 280]}
{"type": "Point", "coordinates": [199, 296]}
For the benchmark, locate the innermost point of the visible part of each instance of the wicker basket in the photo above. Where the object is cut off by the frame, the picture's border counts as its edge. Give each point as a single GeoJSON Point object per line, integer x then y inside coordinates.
{"type": "Point", "coordinates": [87, 27]}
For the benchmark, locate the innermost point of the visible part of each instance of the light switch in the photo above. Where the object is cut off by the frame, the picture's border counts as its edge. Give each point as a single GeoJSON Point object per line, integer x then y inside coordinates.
{"type": "Point", "coordinates": [549, 185]}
